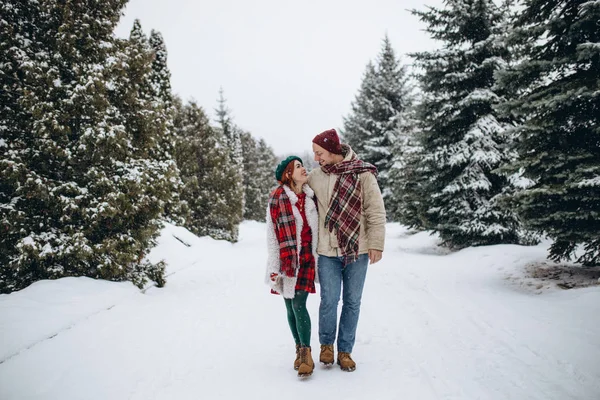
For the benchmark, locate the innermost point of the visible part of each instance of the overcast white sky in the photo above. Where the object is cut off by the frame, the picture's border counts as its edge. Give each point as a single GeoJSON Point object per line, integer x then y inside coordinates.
{"type": "Point", "coordinates": [289, 69]}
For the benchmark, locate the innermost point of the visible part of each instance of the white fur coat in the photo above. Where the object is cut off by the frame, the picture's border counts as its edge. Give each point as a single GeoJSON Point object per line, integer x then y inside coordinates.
{"type": "Point", "coordinates": [285, 285]}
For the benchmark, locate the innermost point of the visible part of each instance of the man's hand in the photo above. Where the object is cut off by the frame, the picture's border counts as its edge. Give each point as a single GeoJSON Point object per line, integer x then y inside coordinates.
{"type": "Point", "coordinates": [274, 277]}
{"type": "Point", "coordinates": [375, 255]}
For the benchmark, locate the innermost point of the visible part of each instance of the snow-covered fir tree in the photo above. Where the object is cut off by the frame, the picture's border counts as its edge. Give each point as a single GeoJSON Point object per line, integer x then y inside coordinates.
{"type": "Point", "coordinates": [78, 200]}
{"type": "Point", "coordinates": [259, 167]}
{"type": "Point", "coordinates": [207, 174]}
{"type": "Point", "coordinates": [556, 93]}
{"type": "Point", "coordinates": [374, 123]}
{"type": "Point", "coordinates": [404, 180]}
{"type": "Point", "coordinates": [267, 162]}
{"type": "Point", "coordinates": [147, 107]}
{"type": "Point", "coordinates": [359, 123]}
{"type": "Point", "coordinates": [252, 193]}
{"type": "Point", "coordinates": [22, 50]}
{"type": "Point", "coordinates": [160, 83]}
{"type": "Point", "coordinates": [160, 76]}
{"type": "Point", "coordinates": [231, 140]}
{"type": "Point", "coordinates": [462, 138]}
{"type": "Point", "coordinates": [136, 96]}
{"type": "Point", "coordinates": [231, 133]}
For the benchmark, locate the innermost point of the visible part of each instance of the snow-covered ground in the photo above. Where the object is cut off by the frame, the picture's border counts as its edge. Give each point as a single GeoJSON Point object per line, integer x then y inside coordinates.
{"type": "Point", "coordinates": [433, 326]}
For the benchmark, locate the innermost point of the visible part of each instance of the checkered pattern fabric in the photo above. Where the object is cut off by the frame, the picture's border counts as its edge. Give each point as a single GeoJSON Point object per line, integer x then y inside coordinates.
{"type": "Point", "coordinates": [307, 271]}
{"type": "Point", "coordinates": [282, 216]}
{"type": "Point", "coordinates": [345, 207]}
{"type": "Point", "coordinates": [280, 209]}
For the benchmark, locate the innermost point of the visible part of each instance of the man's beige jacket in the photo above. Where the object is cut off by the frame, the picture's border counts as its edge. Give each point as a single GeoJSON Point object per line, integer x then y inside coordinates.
{"type": "Point", "coordinates": [372, 222]}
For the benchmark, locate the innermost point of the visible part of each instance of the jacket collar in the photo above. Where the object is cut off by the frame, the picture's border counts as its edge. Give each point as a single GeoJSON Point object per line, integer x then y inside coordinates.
{"type": "Point", "coordinates": [347, 152]}
{"type": "Point", "coordinates": [294, 197]}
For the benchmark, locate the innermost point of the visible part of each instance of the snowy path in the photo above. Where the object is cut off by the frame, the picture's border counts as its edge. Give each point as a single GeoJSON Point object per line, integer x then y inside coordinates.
{"type": "Point", "coordinates": [432, 327]}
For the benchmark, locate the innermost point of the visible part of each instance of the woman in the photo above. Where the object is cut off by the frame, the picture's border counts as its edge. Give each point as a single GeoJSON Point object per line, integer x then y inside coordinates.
{"type": "Point", "coordinates": [292, 223]}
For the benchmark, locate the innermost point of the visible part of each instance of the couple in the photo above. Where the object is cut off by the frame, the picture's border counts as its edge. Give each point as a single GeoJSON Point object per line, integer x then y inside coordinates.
{"type": "Point", "coordinates": [327, 233]}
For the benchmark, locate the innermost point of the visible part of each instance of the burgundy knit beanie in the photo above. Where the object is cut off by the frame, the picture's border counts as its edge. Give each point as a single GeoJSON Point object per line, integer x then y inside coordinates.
{"type": "Point", "coordinates": [329, 140]}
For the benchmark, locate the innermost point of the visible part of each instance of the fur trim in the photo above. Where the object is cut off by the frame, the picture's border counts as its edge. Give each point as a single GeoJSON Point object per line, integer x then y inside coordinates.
{"type": "Point", "coordinates": [312, 217]}
{"type": "Point", "coordinates": [285, 285]}
{"type": "Point", "coordinates": [272, 252]}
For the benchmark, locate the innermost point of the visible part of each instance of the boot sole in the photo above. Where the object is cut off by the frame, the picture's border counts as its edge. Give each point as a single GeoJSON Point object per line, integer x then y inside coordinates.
{"type": "Point", "coordinates": [306, 374]}
{"type": "Point", "coordinates": [350, 369]}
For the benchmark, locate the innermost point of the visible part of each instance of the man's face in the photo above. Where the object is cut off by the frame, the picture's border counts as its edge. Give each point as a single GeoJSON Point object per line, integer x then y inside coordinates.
{"type": "Point", "coordinates": [322, 156]}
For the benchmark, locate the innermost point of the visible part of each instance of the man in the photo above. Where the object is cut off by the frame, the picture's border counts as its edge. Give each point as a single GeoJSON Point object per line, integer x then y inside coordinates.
{"type": "Point", "coordinates": [351, 233]}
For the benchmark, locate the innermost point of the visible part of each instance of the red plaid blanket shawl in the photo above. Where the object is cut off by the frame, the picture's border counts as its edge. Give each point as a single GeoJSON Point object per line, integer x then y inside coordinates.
{"type": "Point", "coordinates": [280, 208]}
{"type": "Point", "coordinates": [345, 206]}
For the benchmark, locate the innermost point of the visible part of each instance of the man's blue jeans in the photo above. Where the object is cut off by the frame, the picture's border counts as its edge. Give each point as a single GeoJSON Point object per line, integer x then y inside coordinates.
{"type": "Point", "coordinates": [333, 276]}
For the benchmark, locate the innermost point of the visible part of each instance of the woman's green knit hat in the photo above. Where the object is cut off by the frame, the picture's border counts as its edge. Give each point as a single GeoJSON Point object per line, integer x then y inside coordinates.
{"type": "Point", "coordinates": [281, 167]}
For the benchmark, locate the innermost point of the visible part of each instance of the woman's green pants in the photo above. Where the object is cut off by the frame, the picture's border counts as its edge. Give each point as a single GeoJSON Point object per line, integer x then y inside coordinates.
{"type": "Point", "coordinates": [298, 317]}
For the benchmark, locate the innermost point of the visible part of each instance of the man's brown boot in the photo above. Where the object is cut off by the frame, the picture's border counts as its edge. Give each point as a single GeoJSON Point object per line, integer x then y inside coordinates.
{"type": "Point", "coordinates": [345, 361]}
{"type": "Point", "coordinates": [306, 363]}
{"type": "Point", "coordinates": [326, 356]}
{"type": "Point", "coordinates": [297, 361]}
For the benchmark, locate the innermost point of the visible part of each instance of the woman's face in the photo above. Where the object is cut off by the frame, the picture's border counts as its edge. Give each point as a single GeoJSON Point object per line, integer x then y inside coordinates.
{"type": "Point", "coordinates": [299, 176]}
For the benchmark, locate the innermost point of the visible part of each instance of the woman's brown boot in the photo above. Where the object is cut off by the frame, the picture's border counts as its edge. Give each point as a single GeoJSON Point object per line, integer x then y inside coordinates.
{"type": "Point", "coordinates": [297, 361]}
{"type": "Point", "coordinates": [306, 363]}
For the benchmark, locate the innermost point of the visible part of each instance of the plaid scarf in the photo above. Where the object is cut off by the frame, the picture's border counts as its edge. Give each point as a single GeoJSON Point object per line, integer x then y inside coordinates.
{"type": "Point", "coordinates": [283, 219]}
{"type": "Point", "coordinates": [345, 207]}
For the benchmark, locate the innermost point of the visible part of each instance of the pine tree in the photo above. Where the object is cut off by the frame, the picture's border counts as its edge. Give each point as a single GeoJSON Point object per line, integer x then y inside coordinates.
{"type": "Point", "coordinates": [134, 95]}
{"type": "Point", "coordinates": [21, 52]}
{"type": "Point", "coordinates": [556, 92]}
{"type": "Point", "coordinates": [147, 106]}
{"type": "Point", "coordinates": [267, 162]}
{"type": "Point", "coordinates": [79, 201]}
{"type": "Point", "coordinates": [230, 131]}
{"type": "Point", "coordinates": [159, 79]}
{"type": "Point", "coordinates": [252, 194]}
{"type": "Point", "coordinates": [377, 113]}
{"type": "Point", "coordinates": [231, 140]}
{"type": "Point", "coordinates": [207, 173]}
{"type": "Point", "coordinates": [360, 123]}
{"type": "Point", "coordinates": [404, 178]}
{"type": "Point", "coordinates": [463, 138]}
{"type": "Point", "coordinates": [259, 176]}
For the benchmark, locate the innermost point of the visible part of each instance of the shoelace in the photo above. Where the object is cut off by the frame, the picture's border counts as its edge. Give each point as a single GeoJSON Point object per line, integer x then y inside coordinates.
{"type": "Point", "coordinates": [304, 355]}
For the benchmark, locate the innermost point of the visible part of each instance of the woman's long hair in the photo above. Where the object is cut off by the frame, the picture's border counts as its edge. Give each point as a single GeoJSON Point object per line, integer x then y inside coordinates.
{"type": "Point", "coordinates": [286, 177]}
